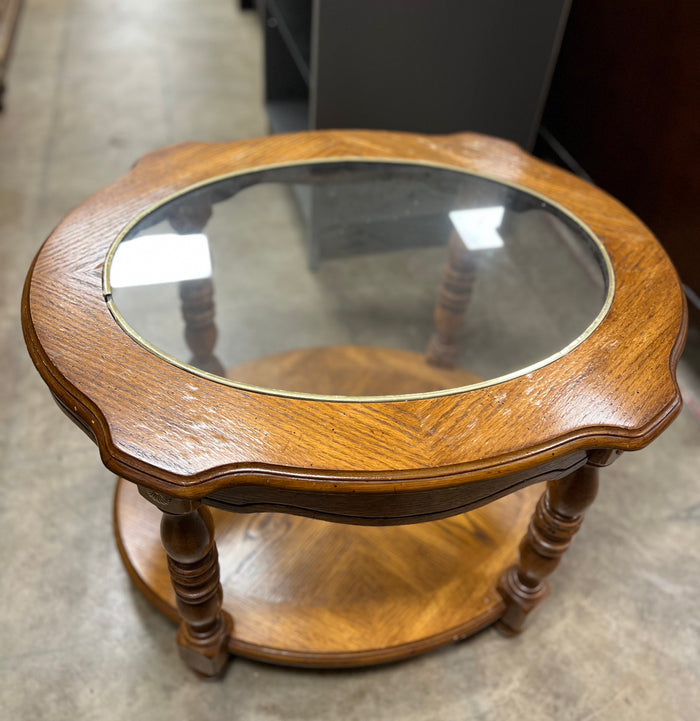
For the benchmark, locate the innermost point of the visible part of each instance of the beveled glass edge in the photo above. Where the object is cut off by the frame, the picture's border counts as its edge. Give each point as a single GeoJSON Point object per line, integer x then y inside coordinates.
{"type": "Point", "coordinates": [607, 267]}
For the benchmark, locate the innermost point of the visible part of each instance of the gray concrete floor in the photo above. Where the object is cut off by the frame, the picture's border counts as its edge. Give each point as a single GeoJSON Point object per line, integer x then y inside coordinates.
{"type": "Point", "coordinates": [93, 85]}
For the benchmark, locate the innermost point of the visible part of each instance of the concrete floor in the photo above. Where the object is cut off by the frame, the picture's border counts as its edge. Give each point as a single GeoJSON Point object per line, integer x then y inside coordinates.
{"type": "Point", "coordinates": [93, 85]}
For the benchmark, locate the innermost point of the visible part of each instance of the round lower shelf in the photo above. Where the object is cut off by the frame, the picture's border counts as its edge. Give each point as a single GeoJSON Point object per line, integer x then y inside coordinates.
{"type": "Point", "coordinates": [306, 592]}
{"type": "Point", "coordinates": [351, 371]}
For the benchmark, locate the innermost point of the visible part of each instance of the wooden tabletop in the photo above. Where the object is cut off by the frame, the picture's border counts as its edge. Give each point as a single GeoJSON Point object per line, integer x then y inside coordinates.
{"type": "Point", "coordinates": [185, 435]}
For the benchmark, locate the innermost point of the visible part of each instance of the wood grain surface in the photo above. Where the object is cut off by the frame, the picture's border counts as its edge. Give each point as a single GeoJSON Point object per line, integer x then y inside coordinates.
{"type": "Point", "coordinates": [188, 436]}
{"type": "Point", "coordinates": [351, 370]}
{"type": "Point", "coordinates": [306, 592]}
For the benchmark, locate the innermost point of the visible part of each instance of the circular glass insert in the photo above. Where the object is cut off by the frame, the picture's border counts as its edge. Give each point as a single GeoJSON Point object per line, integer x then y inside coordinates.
{"type": "Point", "coordinates": [358, 280]}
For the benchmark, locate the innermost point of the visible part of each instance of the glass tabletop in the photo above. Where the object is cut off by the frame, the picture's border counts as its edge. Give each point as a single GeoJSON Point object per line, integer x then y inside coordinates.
{"type": "Point", "coordinates": [355, 279]}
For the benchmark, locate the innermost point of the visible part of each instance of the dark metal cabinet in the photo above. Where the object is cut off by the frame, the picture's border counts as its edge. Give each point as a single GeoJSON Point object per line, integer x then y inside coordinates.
{"type": "Point", "coordinates": [433, 67]}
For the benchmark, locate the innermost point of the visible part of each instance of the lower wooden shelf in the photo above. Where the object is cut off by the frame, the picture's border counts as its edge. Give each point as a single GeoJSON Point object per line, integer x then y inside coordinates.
{"type": "Point", "coordinates": [306, 592]}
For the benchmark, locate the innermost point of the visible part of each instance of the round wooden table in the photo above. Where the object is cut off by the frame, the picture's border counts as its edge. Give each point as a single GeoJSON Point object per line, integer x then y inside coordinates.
{"type": "Point", "coordinates": [381, 369]}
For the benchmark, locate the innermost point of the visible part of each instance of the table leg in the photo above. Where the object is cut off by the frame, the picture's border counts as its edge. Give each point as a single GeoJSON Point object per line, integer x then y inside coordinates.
{"type": "Point", "coordinates": [187, 534]}
{"type": "Point", "coordinates": [197, 296]}
{"type": "Point", "coordinates": [198, 312]}
{"type": "Point", "coordinates": [455, 293]}
{"type": "Point", "coordinates": [557, 517]}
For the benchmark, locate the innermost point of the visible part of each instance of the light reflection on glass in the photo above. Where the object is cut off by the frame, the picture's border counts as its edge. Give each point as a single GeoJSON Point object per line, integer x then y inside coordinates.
{"type": "Point", "coordinates": [478, 227]}
{"type": "Point", "coordinates": [313, 303]}
{"type": "Point", "coordinates": [164, 258]}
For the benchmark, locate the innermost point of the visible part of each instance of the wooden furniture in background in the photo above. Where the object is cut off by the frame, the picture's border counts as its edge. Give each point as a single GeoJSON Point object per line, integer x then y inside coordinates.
{"type": "Point", "coordinates": [624, 104]}
{"type": "Point", "coordinates": [454, 474]}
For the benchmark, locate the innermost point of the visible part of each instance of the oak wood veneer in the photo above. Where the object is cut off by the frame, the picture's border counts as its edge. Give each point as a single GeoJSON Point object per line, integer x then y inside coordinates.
{"type": "Point", "coordinates": [184, 438]}
{"type": "Point", "coordinates": [305, 592]}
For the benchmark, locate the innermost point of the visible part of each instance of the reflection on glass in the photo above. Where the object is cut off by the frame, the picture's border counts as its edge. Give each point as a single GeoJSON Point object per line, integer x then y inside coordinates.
{"type": "Point", "coordinates": [479, 227]}
{"type": "Point", "coordinates": [164, 258]}
{"type": "Point", "coordinates": [359, 279]}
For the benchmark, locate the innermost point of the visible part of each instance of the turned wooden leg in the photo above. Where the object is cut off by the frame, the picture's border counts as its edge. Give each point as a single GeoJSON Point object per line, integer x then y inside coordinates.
{"type": "Point", "coordinates": [197, 296]}
{"type": "Point", "coordinates": [455, 292]}
{"type": "Point", "coordinates": [187, 533]}
{"type": "Point", "coordinates": [198, 312]}
{"type": "Point", "coordinates": [557, 517]}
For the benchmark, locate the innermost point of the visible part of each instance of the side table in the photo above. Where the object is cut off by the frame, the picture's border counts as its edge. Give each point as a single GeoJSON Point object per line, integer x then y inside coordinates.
{"type": "Point", "coordinates": [392, 450]}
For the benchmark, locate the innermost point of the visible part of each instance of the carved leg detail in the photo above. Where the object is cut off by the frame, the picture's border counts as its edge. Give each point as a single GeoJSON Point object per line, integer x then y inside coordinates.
{"type": "Point", "coordinates": [187, 533]}
{"type": "Point", "coordinates": [198, 312]}
{"type": "Point", "coordinates": [197, 296]}
{"type": "Point", "coordinates": [455, 292]}
{"type": "Point", "coordinates": [194, 571]}
{"type": "Point", "coordinates": [557, 517]}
